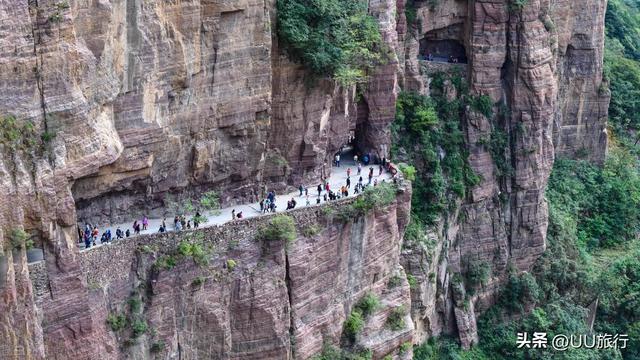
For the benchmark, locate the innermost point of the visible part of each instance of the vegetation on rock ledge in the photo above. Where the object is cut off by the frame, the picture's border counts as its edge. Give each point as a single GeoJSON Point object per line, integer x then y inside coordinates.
{"type": "Point", "coordinates": [336, 38]}
{"type": "Point", "coordinates": [427, 133]}
{"type": "Point", "coordinates": [280, 228]}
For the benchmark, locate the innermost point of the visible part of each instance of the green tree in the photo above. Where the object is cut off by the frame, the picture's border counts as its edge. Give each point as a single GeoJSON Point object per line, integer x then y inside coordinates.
{"type": "Point", "coordinates": [336, 38]}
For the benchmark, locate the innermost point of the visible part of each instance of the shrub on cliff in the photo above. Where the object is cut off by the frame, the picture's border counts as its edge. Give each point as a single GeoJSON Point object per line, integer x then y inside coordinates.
{"type": "Point", "coordinates": [231, 264]}
{"type": "Point", "coordinates": [408, 171]}
{"type": "Point", "coordinates": [311, 230]}
{"type": "Point", "coordinates": [138, 327]}
{"type": "Point", "coordinates": [194, 251]}
{"type": "Point", "coordinates": [165, 262]}
{"type": "Point", "coordinates": [336, 38]}
{"type": "Point", "coordinates": [373, 197]}
{"type": "Point", "coordinates": [517, 5]}
{"type": "Point", "coordinates": [478, 273]}
{"type": "Point", "coordinates": [157, 346]}
{"type": "Point", "coordinates": [20, 239]}
{"type": "Point", "coordinates": [353, 325]}
{"type": "Point", "coordinates": [280, 228]}
{"type": "Point", "coordinates": [483, 105]}
{"type": "Point", "coordinates": [330, 352]}
{"type": "Point", "coordinates": [395, 321]}
{"type": "Point", "coordinates": [116, 322]}
{"type": "Point", "coordinates": [368, 304]}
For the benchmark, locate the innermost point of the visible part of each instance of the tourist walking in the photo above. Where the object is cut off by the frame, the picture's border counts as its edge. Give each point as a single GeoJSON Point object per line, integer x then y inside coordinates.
{"type": "Point", "coordinates": [87, 241]}
{"type": "Point", "coordinates": [359, 168]}
{"type": "Point", "coordinates": [319, 190]}
{"type": "Point", "coordinates": [348, 183]}
{"type": "Point", "coordinates": [338, 160]}
{"type": "Point", "coordinates": [233, 214]}
{"type": "Point", "coordinates": [196, 220]}
{"type": "Point", "coordinates": [145, 223]}
{"type": "Point", "coordinates": [301, 188]}
{"type": "Point", "coordinates": [94, 235]}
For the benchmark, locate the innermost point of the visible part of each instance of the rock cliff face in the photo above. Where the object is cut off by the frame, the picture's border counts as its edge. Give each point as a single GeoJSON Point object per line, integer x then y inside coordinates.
{"type": "Point", "coordinates": [149, 97]}
{"type": "Point", "coordinates": [542, 69]}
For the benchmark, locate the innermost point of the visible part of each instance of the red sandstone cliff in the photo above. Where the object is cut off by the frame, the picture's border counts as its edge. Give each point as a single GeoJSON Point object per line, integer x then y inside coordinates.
{"type": "Point", "coordinates": [147, 97]}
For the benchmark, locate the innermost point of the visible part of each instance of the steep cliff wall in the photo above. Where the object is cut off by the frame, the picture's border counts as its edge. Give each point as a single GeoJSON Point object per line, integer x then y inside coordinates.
{"type": "Point", "coordinates": [542, 69]}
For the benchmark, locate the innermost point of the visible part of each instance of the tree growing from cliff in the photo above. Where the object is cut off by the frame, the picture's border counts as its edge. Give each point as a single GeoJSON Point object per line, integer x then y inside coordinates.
{"type": "Point", "coordinates": [335, 38]}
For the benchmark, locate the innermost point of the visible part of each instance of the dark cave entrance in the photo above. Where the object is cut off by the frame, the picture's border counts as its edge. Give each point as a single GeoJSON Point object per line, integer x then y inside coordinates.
{"type": "Point", "coordinates": [443, 51]}
{"type": "Point", "coordinates": [445, 44]}
{"type": "Point", "coordinates": [361, 141]}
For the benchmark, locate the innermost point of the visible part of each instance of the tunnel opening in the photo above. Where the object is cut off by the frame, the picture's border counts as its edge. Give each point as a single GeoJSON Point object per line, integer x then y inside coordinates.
{"type": "Point", "coordinates": [362, 137]}
{"type": "Point", "coordinates": [444, 45]}
{"type": "Point", "coordinates": [443, 51]}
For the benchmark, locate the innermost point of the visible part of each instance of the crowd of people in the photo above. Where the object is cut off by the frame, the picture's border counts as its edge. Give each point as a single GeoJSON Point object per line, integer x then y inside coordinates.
{"type": "Point", "coordinates": [90, 233]}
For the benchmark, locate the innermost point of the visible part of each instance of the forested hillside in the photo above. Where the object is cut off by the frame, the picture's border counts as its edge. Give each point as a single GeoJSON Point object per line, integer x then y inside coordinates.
{"type": "Point", "coordinates": [593, 251]}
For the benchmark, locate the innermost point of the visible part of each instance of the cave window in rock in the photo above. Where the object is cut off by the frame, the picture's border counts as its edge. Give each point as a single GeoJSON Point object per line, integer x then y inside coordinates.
{"type": "Point", "coordinates": [442, 50]}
